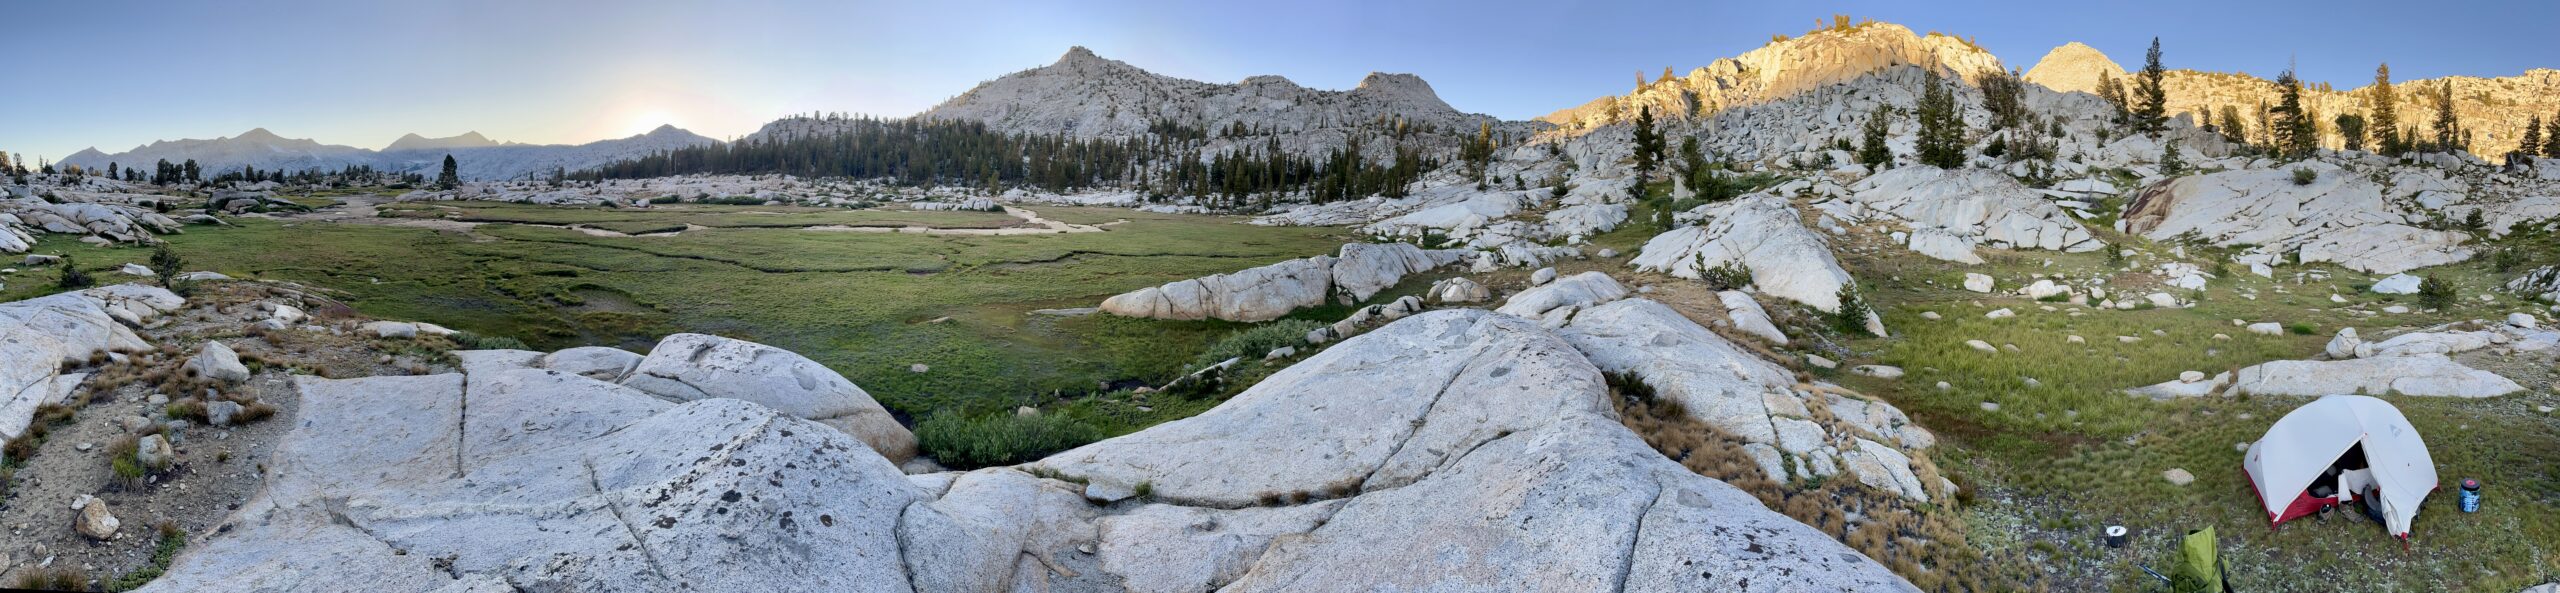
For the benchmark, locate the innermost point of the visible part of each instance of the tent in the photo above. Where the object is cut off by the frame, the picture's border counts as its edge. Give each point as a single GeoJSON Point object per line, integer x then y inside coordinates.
{"type": "Point", "coordinates": [2301, 449]}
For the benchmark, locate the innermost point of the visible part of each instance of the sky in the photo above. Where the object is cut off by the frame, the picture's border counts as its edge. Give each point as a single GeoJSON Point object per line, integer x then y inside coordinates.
{"type": "Point", "coordinates": [115, 74]}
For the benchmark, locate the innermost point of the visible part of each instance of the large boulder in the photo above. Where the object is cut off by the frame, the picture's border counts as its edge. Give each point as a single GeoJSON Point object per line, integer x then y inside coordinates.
{"type": "Point", "coordinates": [2340, 217]}
{"type": "Point", "coordinates": [1951, 211]}
{"type": "Point", "coordinates": [1762, 233]}
{"type": "Point", "coordinates": [553, 481]}
{"type": "Point", "coordinates": [217, 362]}
{"type": "Point", "coordinates": [1453, 450]}
{"type": "Point", "coordinates": [1750, 398]}
{"type": "Point", "coordinates": [1253, 294]}
{"type": "Point", "coordinates": [1360, 270]}
{"type": "Point", "coordinates": [1579, 290]}
{"type": "Point", "coordinates": [2428, 374]}
{"type": "Point", "coordinates": [1269, 292]}
{"type": "Point", "coordinates": [1450, 450]}
{"type": "Point", "coordinates": [39, 335]}
{"type": "Point", "coordinates": [689, 367]}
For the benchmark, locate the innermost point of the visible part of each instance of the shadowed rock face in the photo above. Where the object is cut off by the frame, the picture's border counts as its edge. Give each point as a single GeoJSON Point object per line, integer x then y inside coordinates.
{"type": "Point", "coordinates": [1449, 450]}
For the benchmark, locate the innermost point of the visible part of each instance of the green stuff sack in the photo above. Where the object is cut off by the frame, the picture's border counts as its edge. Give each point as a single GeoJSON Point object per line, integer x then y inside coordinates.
{"type": "Point", "coordinates": [2199, 560]}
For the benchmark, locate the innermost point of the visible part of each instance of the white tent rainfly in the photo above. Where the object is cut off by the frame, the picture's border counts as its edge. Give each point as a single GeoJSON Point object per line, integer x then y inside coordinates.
{"type": "Point", "coordinates": [2339, 449]}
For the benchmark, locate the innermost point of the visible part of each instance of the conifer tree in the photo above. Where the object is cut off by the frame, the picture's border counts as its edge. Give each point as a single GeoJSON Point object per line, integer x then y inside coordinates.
{"type": "Point", "coordinates": [2448, 127]}
{"type": "Point", "coordinates": [2292, 127]}
{"type": "Point", "coordinates": [2150, 98]}
{"type": "Point", "coordinates": [2113, 93]}
{"type": "Point", "coordinates": [1941, 141]}
{"type": "Point", "coordinates": [1872, 151]}
{"type": "Point", "coordinates": [2234, 129]}
{"type": "Point", "coordinates": [2385, 118]}
{"type": "Point", "coordinates": [2351, 128]}
{"type": "Point", "coordinates": [451, 176]}
{"type": "Point", "coordinates": [2170, 162]}
{"type": "Point", "coordinates": [2551, 138]}
{"type": "Point", "coordinates": [1648, 144]}
{"type": "Point", "coordinates": [2532, 143]}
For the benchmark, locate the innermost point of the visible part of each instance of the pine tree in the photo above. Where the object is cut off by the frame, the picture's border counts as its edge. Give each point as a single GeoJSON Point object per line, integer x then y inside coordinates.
{"type": "Point", "coordinates": [2385, 118]}
{"type": "Point", "coordinates": [2292, 127]}
{"type": "Point", "coordinates": [2351, 127]}
{"type": "Point", "coordinates": [2448, 127]}
{"type": "Point", "coordinates": [1478, 154]}
{"type": "Point", "coordinates": [1872, 151]}
{"type": "Point", "coordinates": [2150, 98]}
{"type": "Point", "coordinates": [2002, 94]}
{"type": "Point", "coordinates": [2170, 162]}
{"type": "Point", "coordinates": [2532, 143]}
{"type": "Point", "coordinates": [451, 176]}
{"type": "Point", "coordinates": [2551, 139]}
{"type": "Point", "coordinates": [2113, 93]}
{"type": "Point", "coordinates": [1941, 141]}
{"type": "Point", "coordinates": [1648, 144]}
{"type": "Point", "coordinates": [2234, 129]}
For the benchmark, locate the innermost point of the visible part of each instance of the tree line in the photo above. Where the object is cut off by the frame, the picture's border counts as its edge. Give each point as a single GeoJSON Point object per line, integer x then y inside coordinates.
{"type": "Point", "coordinates": [1170, 160]}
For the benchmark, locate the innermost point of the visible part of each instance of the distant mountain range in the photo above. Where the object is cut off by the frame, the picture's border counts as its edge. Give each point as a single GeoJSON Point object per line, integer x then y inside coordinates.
{"type": "Point", "coordinates": [477, 157]}
{"type": "Point", "coordinates": [1083, 95]}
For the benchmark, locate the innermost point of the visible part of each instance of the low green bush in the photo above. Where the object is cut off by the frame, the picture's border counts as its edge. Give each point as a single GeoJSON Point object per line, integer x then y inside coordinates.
{"type": "Point", "coordinates": [472, 341]}
{"type": "Point", "coordinates": [963, 442]}
{"type": "Point", "coordinates": [1254, 342]}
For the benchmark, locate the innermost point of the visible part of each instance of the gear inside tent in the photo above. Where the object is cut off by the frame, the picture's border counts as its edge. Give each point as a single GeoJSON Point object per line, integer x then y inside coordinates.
{"type": "Point", "coordinates": [2340, 449]}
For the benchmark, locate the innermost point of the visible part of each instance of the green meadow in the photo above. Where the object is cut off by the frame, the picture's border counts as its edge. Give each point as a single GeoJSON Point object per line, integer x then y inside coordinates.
{"type": "Point", "coordinates": [870, 305]}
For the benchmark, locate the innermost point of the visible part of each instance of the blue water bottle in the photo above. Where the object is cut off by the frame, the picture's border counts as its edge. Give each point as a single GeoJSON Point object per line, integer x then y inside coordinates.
{"type": "Point", "coordinates": [2470, 495]}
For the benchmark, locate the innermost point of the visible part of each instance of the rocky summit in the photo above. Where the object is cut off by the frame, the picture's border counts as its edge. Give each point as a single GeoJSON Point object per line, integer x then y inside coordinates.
{"type": "Point", "coordinates": [1865, 307]}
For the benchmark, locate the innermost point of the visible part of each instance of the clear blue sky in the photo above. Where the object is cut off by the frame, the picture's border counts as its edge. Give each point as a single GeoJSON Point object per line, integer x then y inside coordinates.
{"type": "Point", "coordinates": [114, 74]}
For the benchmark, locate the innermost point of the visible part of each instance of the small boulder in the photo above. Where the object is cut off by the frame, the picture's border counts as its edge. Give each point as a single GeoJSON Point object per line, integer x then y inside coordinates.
{"type": "Point", "coordinates": [2344, 345]}
{"type": "Point", "coordinates": [391, 329]}
{"type": "Point", "coordinates": [2002, 313]}
{"type": "Point", "coordinates": [1983, 346]}
{"type": "Point", "coordinates": [2267, 328]}
{"type": "Point", "coordinates": [137, 270]}
{"type": "Point", "coordinates": [1977, 282]}
{"type": "Point", "coordinates": [154, 452]}
{"type": "Point", "coordinates": [1878, 371]}
{"type": "Point", "coordinates": [2522, 320]}
{"type": "Point", "coordinates": [219, 363]}
{"type": "Point", "coordinates": [42, 260]}
{"type": "Point", "coordinates": [2178, 476]}
{"type": "Point", "coordinates": [1542, 276]}
{"type": "Point", "coordinates": [2397, 284]}
{"type": "Point", "coordinates": [1819, 361]}
{"type": "Point", "coordinates": [92, 520]}
{"type": "Point", "coordinates": [221, 412]}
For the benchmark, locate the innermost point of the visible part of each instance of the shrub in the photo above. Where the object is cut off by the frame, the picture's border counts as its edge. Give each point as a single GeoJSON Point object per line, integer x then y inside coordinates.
{"type": "Point", "coordinates": [1254, 342]}
{"type": "Point", "coordinates": [1001, 439]}
{"type": "Point", "coordinates": [2436, 293]}
{"type": "Point", "coordinates": [2299, 328]}
{"type": "Point", "coordinates": [1730, 276]}
{"type": "Point", "coordinates": [2305, 175]}
{"type": "Point", "coordinates": [72, 278]}
{"type": "Point", "coordinates": [172, 539]}
{"type": "Point", "coordinates": [59, 578]}
{"type": "Point", "coordinates": [2506, 260]}
{"type": "Point", "coordinates": [166, 262]}
{"type": "Point", "coordinates": [473, 341]}
{"type": "Point", "coordinates": [1852, 316]}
